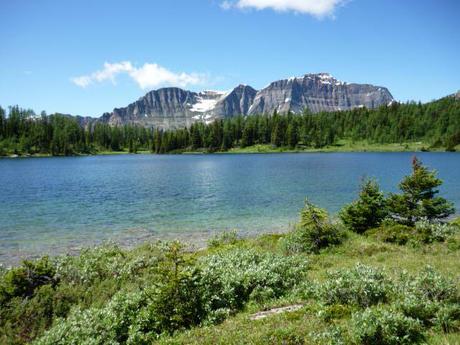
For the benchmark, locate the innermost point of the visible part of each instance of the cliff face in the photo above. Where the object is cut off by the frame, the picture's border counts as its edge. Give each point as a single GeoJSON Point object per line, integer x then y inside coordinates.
{"type": "Point", "coordinates": [236, 102]}
{"type": "Point", "coordinates": [165, 108]}
{"type": "Point", "coordinates": [317, 92]}
{"type": "Point", "coordinates": [176, 108]}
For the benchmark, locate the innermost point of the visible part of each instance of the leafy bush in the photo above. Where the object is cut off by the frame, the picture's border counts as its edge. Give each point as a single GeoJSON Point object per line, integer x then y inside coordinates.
{"type": "Point", "coordinates": [231, 278]}
{"type": "Point", "coordinates": [381, 326]}
{"type": "Point", "coordinates": [107, 325]}
{"type": "Point", "coordinates": [447, 318]}
{"type": "Point", "coordinates": [424, 295]}
{"type": "Point", "coordinates": [368, 211]}
{"type": "Point", "coordinates": [331, 336]}
{"type": "Point", "coordinates": [24, 319]}
{"type": "Point", "coordinates": [424, 231]}
{"type": "Point", "coordinates": [428, 232]}
{"type": "Point", "coordinates": [391, 232]}
{"type": "Point", "coordinates": [23, 280]}
{"type": "Point", "coordinates": [314, 232]}
{"type": "Point", "coordinates": [103, 262]}
{"type": "Point", "coordinates": [182, 295]}
{"type": "Point", "coordinates": [173, 302]}
{"type": "Point", "coordinates": [361, 286]}
{"type": "Point", "coordinates": [430, 285]}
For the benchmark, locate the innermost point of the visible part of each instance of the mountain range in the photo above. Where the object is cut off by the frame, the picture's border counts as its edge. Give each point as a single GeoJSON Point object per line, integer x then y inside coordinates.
{"type": "Point", "coordinates": [172, 107]}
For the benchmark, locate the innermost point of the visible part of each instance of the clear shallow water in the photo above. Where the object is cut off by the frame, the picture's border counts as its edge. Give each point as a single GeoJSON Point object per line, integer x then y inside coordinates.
{"type": "Point", "coordinates": [55, 205]}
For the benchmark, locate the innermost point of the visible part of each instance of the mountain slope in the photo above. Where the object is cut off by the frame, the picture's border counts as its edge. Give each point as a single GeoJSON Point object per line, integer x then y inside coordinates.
{"type": "Point", "coordinates": [317, 92]}
{"type": "Point", "coordinates": [176, 108]}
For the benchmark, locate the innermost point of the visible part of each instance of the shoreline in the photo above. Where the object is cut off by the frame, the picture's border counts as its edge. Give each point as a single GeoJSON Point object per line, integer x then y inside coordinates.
{"type": "Point", "coordinates": [268, 149]}
{"type": "Point", "coordinates": [194, 241]}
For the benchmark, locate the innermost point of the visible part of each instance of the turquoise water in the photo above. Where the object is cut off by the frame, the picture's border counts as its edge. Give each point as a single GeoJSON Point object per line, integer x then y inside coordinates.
{"type": "Point", "coordinates": [53, 205]}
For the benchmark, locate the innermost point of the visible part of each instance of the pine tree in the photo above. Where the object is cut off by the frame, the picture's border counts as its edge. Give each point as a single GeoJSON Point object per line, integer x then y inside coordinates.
{"type": "Point", "coordinates": [291, 134]}
{"type": "Point", "coordinates": [227, 139]}
{"type": "Point", "coordinates": [368, 211]}
{"type": "Point", "coordinates": [2, 123]}
{"type": "Point", "coordinates": [418, 199]}
{"type": "Point", "coordinates": [196, 137]}
{"type": "Point", "coordinates": [248, 134]}
{"type": "Point", "coordinates": [277, 136]}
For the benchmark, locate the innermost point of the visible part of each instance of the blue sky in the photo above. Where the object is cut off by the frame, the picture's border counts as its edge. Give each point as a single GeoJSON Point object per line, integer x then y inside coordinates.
{"type": "Point", "coordinates": [87, 57]}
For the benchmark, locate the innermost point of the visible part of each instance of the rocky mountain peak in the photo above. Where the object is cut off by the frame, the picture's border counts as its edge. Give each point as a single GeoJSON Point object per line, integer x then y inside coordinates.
{"type": "Point", "coordinates": [174, 107]}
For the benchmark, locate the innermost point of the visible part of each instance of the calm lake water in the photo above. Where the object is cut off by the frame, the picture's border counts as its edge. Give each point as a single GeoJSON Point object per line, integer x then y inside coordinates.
{"type": "Point", "coordinates": [55, 205]}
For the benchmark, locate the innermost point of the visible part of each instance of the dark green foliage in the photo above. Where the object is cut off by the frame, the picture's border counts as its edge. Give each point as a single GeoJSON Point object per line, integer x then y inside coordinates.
{"type": "Point", "coordinates": [368, 211]}
{"type": "Point", "coordinates": [176, 299]}
{"type": "Point", "coordinates": [447, 318]}
{"type": "Point", "coordinates": [418, 199]}
{"type": "Point", "coordinates": [383, 326]}
{"type": "Point", "coordinates": [314, 232]}
{"type": "Point", "coordinates": [23, 280]}
{"type": "Point", "coordinates": [437, 123]}
{"type": "Point", "coordinates": [391, 232]}
{"type": "Point", "coordinates": [26, 300]}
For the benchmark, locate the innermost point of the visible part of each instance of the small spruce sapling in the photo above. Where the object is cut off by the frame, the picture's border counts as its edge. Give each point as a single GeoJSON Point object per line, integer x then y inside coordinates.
{"type": "Point", "coordinates": [418, 199]}
{"type": "Point", "coordinates": [368, 211]}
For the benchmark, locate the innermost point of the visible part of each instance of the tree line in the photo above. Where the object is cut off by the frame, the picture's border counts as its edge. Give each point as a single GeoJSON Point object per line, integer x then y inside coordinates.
{"type": "Point", "coordinates": [436, 123]}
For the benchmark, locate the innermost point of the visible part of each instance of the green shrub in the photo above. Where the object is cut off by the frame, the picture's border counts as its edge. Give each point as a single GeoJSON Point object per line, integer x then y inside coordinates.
{"type": "Point", "coordinates": [391, 232]}
{"type": "Point", "coordinates": [24, 319]}
{"type": "Point", "coordinates": [360, 286]}
{"type": "Point", "coordinates": [23, 280]}
{"type": "Point", "coordinates": [172, 302]}
{"type": "Point", "coordinates": [381, 326]}
{"type": "Point", "coordinates": [368, 211]}
{"type": "Point", "coordinates": [421, 309]}
{"type": "Point", "coordinates": [334, 311]}
{"type": "Point", "coordinates": [183, 294]}
{"type": "Point", "coordinates": [456, 222]}
{"type": "Point", "coordinates": [428, 232]}
{"type": "Point", "coordinates": [423, 296]}
{"type": "Point", "coordinates": [104, 262]}
{"type": "Point", "coordinates": [331, 336]}
{"type": "Point", "coordinates": [447, 318]}
{"type": "Point", "coordinates": [230, 278]}
{"type": "Point", "coordinates": [314, 232]}
{"type": "Point", "coordinates": [107, 325]}
{"type": "Point", "coordinates": [431, 285]}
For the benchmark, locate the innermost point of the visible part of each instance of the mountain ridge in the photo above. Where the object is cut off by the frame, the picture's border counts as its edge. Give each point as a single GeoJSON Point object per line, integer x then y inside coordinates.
{"type": "Point", "coordinates": [173, 107]}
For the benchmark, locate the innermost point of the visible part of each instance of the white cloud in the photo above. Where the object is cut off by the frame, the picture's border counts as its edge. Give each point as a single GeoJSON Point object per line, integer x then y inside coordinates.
{"type": "Point", "coordinates": [226, 5]}
{"type": "Point", "coordinates": [149, 75]}
{"type": "Point", "coordinates": [318, 8]}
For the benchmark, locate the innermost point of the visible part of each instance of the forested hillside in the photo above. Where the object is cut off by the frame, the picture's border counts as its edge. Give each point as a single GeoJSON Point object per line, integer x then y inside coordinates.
{"type": "Point", "coordinates": [436, 124]}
